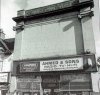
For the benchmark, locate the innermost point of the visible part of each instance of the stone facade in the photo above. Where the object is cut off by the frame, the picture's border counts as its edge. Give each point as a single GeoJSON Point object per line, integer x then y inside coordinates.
{"type": "Point", "coordinates": [54, 50]}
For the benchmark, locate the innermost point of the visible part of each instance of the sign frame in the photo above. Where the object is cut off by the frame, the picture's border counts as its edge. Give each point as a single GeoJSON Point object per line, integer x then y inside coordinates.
{"type": "Point", "coordinates": [85, 63]}
{"type": "Point", "coordinates": [66, 64]}
{"type": "Point", "coordinates": [30, 66]}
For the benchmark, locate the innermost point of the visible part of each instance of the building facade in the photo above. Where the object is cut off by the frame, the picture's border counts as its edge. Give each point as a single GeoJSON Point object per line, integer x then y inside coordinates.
{"type": "Point", "coordinates": [54, 51]}
{"type": "Point", "coordinates": [6, 49]}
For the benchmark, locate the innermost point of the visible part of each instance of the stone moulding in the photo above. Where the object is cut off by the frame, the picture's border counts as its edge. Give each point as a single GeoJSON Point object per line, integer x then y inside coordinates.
{"type": "Point", "coordinates": [54, 9]}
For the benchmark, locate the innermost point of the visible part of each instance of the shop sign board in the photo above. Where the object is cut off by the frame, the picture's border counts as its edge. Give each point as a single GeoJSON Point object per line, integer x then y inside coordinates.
{"type": "Point", "coordinates": [29, 66]}
{"type": "Point", "coordinates": [3, 77]}
{"type": "Point", "coordinates": [62, 64]}
{"type": "Point", "coordinates": [87, 63]}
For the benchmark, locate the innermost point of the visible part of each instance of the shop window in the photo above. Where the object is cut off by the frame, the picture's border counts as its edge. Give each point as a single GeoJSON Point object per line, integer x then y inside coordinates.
{"type": "Point", "coordinates": [80, 85]}
{"type": "Point", "coordinates": [74, 86]}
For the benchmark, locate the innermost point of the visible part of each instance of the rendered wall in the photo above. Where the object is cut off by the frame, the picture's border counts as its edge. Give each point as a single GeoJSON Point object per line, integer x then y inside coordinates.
{"type": "Point", "coordinates": [17, 46]}
{"type": "Point", "coordinates": [62, 35]}
{"type": "Point", "coordinates": [60, 38]}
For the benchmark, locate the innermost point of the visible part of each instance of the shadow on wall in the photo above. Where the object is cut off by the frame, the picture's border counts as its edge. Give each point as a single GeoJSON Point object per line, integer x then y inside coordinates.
{"type": "Point", "coordinates": [78, 34]}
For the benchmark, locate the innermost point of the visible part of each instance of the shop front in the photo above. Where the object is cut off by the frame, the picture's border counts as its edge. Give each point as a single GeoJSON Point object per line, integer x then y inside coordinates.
{"type": "Point", "coordinates": [65, 76]}
{"type": "Point", "coordinates": [53, 53]}
{"type": "Point", "coordinates": [66, 84]}
{"type": "Point", "coordinates": [60, 84]}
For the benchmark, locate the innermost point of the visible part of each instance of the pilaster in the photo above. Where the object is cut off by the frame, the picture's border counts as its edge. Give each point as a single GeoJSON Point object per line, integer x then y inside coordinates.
{"type": "Point", "coordinates": [88, 37]}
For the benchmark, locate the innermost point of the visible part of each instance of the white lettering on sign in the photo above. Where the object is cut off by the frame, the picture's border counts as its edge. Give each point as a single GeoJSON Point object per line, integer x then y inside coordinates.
{"type": "Point", "coordinates": [29, 66]}
{"type": "Point", "coordinates": [63, 64]}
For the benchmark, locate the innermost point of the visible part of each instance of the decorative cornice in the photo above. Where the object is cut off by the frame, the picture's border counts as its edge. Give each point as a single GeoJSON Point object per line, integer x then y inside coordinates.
{"type": "Point", "coordinates": [55, 9]}
{"type": "Point", "coordinates": [51, 19]}
{"type": "Point", "coordinates": [85, 13]}
{"type": "Point", "coordinates": [18, 27]}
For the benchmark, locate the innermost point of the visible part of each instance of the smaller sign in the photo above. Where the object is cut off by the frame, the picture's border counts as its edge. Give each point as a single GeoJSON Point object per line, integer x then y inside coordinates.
{"type": "Point", "coordinates": [3, 77]}
{"type": "Point", "coordinates": [29, 66]}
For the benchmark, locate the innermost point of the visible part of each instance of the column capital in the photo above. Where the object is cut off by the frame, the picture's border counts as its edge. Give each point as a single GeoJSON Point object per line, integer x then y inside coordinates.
{"type": "Point", "coordinates": [85, 14]}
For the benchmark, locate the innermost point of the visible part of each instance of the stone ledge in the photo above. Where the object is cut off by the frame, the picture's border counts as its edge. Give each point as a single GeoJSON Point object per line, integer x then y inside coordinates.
{"type": "Point", "coordinates": [59, 8]}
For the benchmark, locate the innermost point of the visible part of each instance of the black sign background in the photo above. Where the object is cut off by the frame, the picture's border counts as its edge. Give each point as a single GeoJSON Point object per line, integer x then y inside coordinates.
{"type": "Point", "coordinates": [30, 66]}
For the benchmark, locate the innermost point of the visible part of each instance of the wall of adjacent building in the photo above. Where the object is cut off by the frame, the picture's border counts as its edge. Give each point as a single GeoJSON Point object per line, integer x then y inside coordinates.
{"type": "Point", "coordinates": [96, 80]}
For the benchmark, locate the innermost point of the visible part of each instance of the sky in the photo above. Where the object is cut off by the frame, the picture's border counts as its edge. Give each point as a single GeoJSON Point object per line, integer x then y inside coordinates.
{"type": "Point", "coordinates": [9, 10]}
